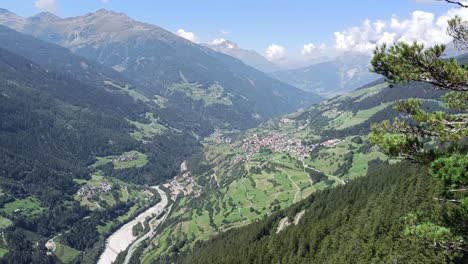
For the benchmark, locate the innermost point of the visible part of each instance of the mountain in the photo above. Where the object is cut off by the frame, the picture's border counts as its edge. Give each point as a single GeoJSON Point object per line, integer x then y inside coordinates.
{"type": "Point", "coordinates": [249, 57]}
{"type": "Point", "coordinates": [338, 76]}
{"type": "Point", "coordinates": [116, 95]}
{"type": "Point", "coordinates": [226, 92]}
{"type": "Point", "coordinates": [65, 121]}
{"type": "Point", "coordinates": [61, 60]}
{"type": "Point", "coordinates": [52, 127]}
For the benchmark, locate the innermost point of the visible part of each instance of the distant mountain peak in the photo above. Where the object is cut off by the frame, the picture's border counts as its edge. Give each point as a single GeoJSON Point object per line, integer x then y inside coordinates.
{"type": "Point", "coordinates": [5, 11]}
{"type": "Point", "coordinates": [44, 17]}
{"type": "Point", "coordinates": [226, 44]}
{"type": "Point", "coordinates": [11, 20]}
{"type": "Point", "coordinates": [249, 57]}
{"type": "Point", "coordinates": [107, 12]}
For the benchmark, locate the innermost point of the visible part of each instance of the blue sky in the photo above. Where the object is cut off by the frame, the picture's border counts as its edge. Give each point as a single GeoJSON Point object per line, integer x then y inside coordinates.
{"type": "Point", "coordinates": [254, 24]}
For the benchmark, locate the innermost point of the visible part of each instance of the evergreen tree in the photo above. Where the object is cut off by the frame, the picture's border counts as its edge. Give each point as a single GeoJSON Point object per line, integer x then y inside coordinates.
{"type": "Point", "coordinates": [436, 138]}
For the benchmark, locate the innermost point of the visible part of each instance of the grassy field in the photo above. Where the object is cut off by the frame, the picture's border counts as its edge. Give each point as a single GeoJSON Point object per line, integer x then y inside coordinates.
{"type": "Point", "coordinates": [5, 222]}
{"type": "Point", "coordinates": [363, 93]}
{"type": "Point", "coordinates": [3, 252]}
{"type": "Point", "coordinates": [360, 163]}
{"type": "Point", "coordinates": [361, 116]}
{"type": "Point", "coordinates": [28, 207]}
{"type": "Point", "coordinates": [137, 163]}
{"type": "Point", "coordinates": [133, 93]}
{"type": "Point", "coordinates": [213, 94]}
{"type": "Point", "coordinates": [147, 131]}
{"type": "Point", "coordinates": [64, 253]}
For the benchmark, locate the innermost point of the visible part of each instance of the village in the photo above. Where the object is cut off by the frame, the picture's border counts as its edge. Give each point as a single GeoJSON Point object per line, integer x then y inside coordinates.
{"type": "Point", "coordinates": [184, 184]}
{"type": "Point", "coordinates": [126, 157]}
{"type": "Point", "coordinates": [279, 143]}
{"type": "Point", "coordinates": [90, 191]}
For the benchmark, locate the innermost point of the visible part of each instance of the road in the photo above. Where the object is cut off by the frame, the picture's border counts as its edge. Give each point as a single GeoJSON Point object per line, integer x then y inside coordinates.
{"type": "Point", "coordinates": [330, 176]}
{"type": "Point", "coordinates": [297, 187]}
{"type": "Point", "coordinates": [121, 239]}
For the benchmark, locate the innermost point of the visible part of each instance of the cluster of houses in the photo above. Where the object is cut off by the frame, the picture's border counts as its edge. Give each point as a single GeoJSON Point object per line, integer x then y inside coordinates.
{"type": "Point", "coordinates": [277, 142]}
{"type": "Point", "coordinates": [330, 143]}
{"type": "Point", "coordinates": [184, 184]}
{"type": "Point", "coordinates": [219, 138]}
{"type": "Point", "coordinates": [89, 191]}
{"type": "Point", "coordinates": [126, 157]}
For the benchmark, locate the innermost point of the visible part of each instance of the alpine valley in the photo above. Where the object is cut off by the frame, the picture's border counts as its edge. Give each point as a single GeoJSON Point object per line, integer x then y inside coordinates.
{"type": "Point", "coordinates": [121, 142]}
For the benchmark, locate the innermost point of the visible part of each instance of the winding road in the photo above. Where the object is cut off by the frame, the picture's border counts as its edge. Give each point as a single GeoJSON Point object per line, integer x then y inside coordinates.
{"type": "Point", "coordinates": [123, 238]}
{"type": "Point", "coordinates": [297, 187]}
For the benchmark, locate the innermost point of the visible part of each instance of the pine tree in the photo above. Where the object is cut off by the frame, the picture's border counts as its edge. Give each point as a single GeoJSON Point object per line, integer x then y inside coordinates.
{"type": "Point", "coordinates": [436, 138]}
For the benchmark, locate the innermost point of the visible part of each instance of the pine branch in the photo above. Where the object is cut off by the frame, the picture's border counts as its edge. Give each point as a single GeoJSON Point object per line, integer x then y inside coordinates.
{"type": "Point", "coordinates": [455, 3]}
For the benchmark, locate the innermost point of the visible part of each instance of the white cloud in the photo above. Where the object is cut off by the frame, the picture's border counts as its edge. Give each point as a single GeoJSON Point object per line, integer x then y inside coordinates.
{"type": "Point", "coordinates": [218, 41]}
{"type": "Point", "coordinates": [421, 26]}
{"type": "Point", "coordinates": [47, 5]}
{"type": "Point", "coordinates": [224, 32]}
{"type": "Point", "coordinates": [311, 48]}
{"type": "Point", "coordinates": [186, 35]}
{"type": "Point", "coordinates": [275, 52]}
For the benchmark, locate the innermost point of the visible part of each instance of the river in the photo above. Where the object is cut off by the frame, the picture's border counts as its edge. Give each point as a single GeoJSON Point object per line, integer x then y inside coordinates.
{"type": "Point", "coordinates": [121, 239]}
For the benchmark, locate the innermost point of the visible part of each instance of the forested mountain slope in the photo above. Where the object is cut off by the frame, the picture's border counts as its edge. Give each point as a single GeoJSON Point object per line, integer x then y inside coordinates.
{"type": "Point", "coordinates": [362, 222]}
{"type": "Point", "coordinates": [53, 128]}
{"type": "Point", "coordinates": [223, 89]}
{"type": "Point", "coordinates": [57, 59]}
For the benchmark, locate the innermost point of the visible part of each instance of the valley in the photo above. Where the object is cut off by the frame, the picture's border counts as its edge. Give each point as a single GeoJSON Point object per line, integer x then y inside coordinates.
{"type": "Point", "coordinates": [123, 142]}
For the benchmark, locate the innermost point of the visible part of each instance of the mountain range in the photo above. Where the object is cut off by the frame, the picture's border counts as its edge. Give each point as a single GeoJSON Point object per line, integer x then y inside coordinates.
{"type": "Point", "coordinates": [328, 77]}
{"type": "Point", "coordinates": [198, 79]}
{"type": "Point", "coordinates": [335, 77]}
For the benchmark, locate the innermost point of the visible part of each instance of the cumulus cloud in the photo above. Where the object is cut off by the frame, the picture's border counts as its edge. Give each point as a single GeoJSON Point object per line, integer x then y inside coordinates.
{"type": "Point", "coordinates": [186, 35]}
{"type": "Point", "coordinates": [275, 53]}
{"type": "Point", "coordinates": [47, 5]}
{"type": "Point", "coordinates": [421, 26]}
{"type": "Point", "coordinates": [224, 32]}
{"type": "Point", "coordinates": [311, 48]}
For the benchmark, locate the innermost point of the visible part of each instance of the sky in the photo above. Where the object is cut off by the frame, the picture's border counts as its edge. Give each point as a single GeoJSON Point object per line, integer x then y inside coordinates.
{"type": "Point", "coordinates": [284, 31]}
